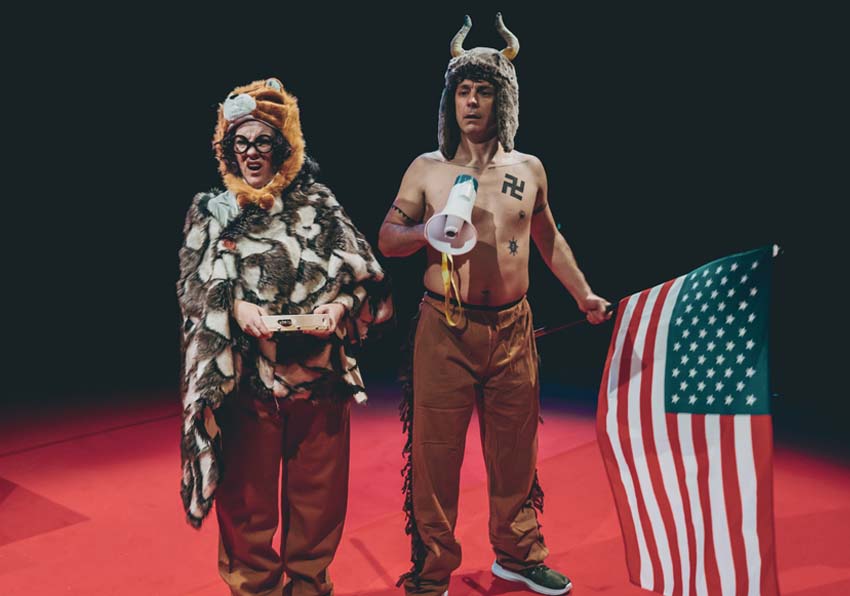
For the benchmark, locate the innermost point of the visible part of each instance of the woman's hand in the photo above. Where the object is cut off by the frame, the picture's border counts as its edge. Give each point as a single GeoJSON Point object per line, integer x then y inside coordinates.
{"type": "Point", "coordinates": [335, 312]}
{"type": "Point", "coordinates": [248, 315]}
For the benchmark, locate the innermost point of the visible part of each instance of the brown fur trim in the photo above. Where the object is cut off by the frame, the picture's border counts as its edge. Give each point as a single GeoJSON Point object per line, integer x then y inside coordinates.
{"type": "Point", "coordinates": [417, 546]}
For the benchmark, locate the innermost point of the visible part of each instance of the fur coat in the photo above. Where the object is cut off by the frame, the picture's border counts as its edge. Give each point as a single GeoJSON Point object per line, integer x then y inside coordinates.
{"type": "Point", "coordinates": [301, 253]}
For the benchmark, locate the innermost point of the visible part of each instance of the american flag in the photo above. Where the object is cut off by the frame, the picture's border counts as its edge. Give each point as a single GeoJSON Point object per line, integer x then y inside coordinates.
{"type": "Point", "coordinates": [685, 431]}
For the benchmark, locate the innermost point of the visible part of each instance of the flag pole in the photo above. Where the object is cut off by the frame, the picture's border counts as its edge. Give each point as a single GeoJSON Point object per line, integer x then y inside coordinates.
{"type": "Point", "coordinates": [544, 331]}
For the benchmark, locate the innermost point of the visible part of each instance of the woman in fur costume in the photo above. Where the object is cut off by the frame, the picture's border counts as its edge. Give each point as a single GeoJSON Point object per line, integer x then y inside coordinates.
{"type": "Point", "coordinates": [274, 242]}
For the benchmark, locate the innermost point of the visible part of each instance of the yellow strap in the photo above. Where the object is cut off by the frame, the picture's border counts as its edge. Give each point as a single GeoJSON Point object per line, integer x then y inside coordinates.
{"type": "Point", "coordinates": [447, 269]}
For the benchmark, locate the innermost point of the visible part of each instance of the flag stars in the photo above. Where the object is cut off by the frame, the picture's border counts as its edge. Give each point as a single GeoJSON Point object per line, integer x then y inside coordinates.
{"type": "Point", "coordinates": [718, 270]}
{"type": "Point", "coordinates": [701, 386]}
{"type": "Point", "coordinates": [702, 333]}
{"type": "Point", "coordinates": [718, 386]}
{"type": "Point", "coordinates": [700, 359]}
{"type": "Point", "coordinates": [744, 278]}
{"type": "Point", "coordinates": [683, 385]}
{"type": "Point", "coordinates": [712, 320]}
{"type": "Point", "coordinates": [709, 400]}
{"type": "Point", "coordinates": [728, 400]}
{"type": "Point", "coordinates": [708, 282]}
{"type": "Point", "coordinates": [677, 346]}
{"type": "Point", "coordinates": [695, 285]}
{"type": "Point", "coordinates": [720, 359]}
{"type": "Point", "coordinates": [739, 359]}
{"type": "Point", "coordinates": [730, 293]}
{"type": "Point", "coordinates": [699, 295]}
{"type": "Point", "coordinates": [692, 373]}
{"type": "Point", "coordinates": [685, 359]}
{"type": "Point", "coordinates": [703, 307]}
{"type": "Point", "coordinates": [675, 398]}
{"type": "Point", "coordinates": [679, 321]}
{"type": "Point", "coordinates": [710, 373]}
{"type": "Point", "coordinates": [733, 267]}
{"type": "Point", "coordinates": [721, 307]}
{"type": "Point", "coordinates": [754, 291]}
{"type": "Point", "coordinates": [692, 399]}
{"type": "Point", "coordinates": [739, 385]}
{"type": "Point", "coordinates": [750, 372]}
{"type": "Point", "coordinates": [724, 280]}
{"type": "Point", "coordinates": [742, 305]}
{"type": "Point", "coordinates": [721, 332]}
{"type": "Point", "coordinates": [730, 345]}
{"type": "Point", "coordinates": [754, 265]}
{"type": "Point", "coordinates": [742, 332]}
{"type": "Point", "coordinates": [695, 320]}
{"type": "Point", "coordinates": [705, 272]}
{"type": "Point", "coordinates": [751, 399]}
{"type": "Point", "coordinates": [715, 293]}
{"type": "Point", "coordinates": [751, 317]}
{"type": "Point", "coordinates": [686, 333]}
{"type": "Point", "coordinates": [688, 308]}
{"type": "Point", "coordinates": [694, 346]}
{"type": "Point", "coordinates": [685, 297]}
{"type": "Point", "coordinates": [730, 319]}
{"type": "Point", "coordinates": [750, 344]}
{"type": "Point", "coordinates": [727, 373]}
{"type": "Point", "coordinates": [675, 372]}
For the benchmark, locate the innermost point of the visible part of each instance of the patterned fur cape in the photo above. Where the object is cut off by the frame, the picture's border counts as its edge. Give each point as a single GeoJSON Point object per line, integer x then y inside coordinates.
{"type": "Point", "coordinates": [301, 253]}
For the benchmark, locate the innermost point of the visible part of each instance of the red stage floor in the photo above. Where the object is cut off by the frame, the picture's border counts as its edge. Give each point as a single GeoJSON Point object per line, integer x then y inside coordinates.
{"type": "Point", "coordinates": [89, 504]}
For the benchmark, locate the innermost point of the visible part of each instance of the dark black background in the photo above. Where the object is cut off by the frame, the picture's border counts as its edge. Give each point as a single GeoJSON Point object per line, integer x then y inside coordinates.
{"type": "Point", "coordinates": [671, 136]}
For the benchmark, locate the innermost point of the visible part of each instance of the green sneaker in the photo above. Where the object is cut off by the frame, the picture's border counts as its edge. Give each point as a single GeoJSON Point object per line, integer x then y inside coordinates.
{"type": "Point", "coordinates": [541, 579]}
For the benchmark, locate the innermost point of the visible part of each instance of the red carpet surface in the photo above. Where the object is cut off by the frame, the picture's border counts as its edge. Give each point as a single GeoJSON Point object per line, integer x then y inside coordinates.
{"type": "Point", "coordinates": [89, 504]}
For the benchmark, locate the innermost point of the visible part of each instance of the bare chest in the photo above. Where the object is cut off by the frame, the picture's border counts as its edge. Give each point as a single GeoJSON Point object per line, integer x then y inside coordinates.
{"type": "Point", "coordinates": [503, 204]}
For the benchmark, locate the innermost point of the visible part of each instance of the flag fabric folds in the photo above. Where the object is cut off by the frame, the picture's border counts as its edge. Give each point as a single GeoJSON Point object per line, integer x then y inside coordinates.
{"type": "Point", "coordinates": [685, 432]}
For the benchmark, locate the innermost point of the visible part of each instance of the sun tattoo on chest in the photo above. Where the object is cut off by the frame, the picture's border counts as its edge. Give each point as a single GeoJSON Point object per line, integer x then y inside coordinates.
{"type": "Point", "coordinates": [513, 246]}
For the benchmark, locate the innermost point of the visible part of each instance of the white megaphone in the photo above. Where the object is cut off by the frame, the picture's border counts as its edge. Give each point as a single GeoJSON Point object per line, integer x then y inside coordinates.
{"type": "Point", "coordinates": [451, 231]}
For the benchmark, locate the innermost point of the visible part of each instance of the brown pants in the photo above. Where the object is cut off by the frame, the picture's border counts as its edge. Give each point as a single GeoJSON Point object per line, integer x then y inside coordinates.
{"type": "Point", "coordinates": [489, 360]}
{"type": "Point", "coordinates": [312, 441]}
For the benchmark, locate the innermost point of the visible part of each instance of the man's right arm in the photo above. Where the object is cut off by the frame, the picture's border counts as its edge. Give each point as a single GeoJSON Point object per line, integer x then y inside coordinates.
{"type": "Point", "coordinates": [403, 232]}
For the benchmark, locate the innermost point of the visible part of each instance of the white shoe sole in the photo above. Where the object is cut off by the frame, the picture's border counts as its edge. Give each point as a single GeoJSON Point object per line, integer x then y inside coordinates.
{"type": "Point", "coordinates": [503, 573]}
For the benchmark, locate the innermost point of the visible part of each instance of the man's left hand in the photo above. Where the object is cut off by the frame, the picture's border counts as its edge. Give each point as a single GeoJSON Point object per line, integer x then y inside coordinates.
{"type": "Point", "coordinates": [596, 309]}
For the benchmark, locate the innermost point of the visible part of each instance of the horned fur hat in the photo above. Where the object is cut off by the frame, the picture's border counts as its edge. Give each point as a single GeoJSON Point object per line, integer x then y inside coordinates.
{"type": "Point", "coordinates": [481, 64]}
{"type": "Point", "coordinates": [268, 102]}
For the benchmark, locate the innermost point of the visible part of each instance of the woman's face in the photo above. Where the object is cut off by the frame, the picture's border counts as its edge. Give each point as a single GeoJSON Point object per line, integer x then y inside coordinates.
{"type": "Point", "coordinates": [252, 143]}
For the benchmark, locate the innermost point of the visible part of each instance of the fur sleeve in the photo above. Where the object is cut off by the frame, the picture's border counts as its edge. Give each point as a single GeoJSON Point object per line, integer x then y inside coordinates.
{"type": "Point", "coordinates": [205, 295]}
{"type": "Point", "coordinates": [360, 283]}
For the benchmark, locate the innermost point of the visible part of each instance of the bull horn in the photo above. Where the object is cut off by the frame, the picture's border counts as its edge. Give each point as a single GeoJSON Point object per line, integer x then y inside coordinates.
{"type": "Point", "coordinates": [457, 40]}
{"type": "Point", "coordinates": [512, 50]}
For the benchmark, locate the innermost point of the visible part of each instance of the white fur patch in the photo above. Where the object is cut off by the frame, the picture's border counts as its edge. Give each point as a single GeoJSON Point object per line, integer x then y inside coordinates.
{"type": "Point", "coordinates": [224, 361]}
{"type": "Point", "coordinates": [251, 276]}
{"type": "Point", "coordinates": [205, 460]}
{"type": "Point", "coordinates": [248, 247]}
{"type": "Point", "coordinates": [307, 226]}
{"type": "Point", "coordinates": [311, 257]}
{"type": "Point", "coordinates": [266, 372]}
{"type": "Point", "coordinates": [219, 269]}
{"type": "Point", "coordinates": [218, 321]}
{"type": "Point", "coordinates": [357, 262]}
{"type": "Point", "coordinates": [195, 238]}
{"type": "Point", "coordinates": [299, 293]}
{"type": "Point", "coordinates": [239, 106]}
{"type": "Point", "coordinates": [229, 265]}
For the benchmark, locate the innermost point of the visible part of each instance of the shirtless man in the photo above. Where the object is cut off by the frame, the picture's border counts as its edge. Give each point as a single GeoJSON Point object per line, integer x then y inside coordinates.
{"type": "Point", "coordinates": [488, 358]}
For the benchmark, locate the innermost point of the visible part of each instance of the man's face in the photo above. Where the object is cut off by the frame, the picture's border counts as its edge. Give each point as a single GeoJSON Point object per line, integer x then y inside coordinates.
{"type": "Point", "coordinates": [474, 103]}
{"type": "Point", "coordinates": [252, 144]}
